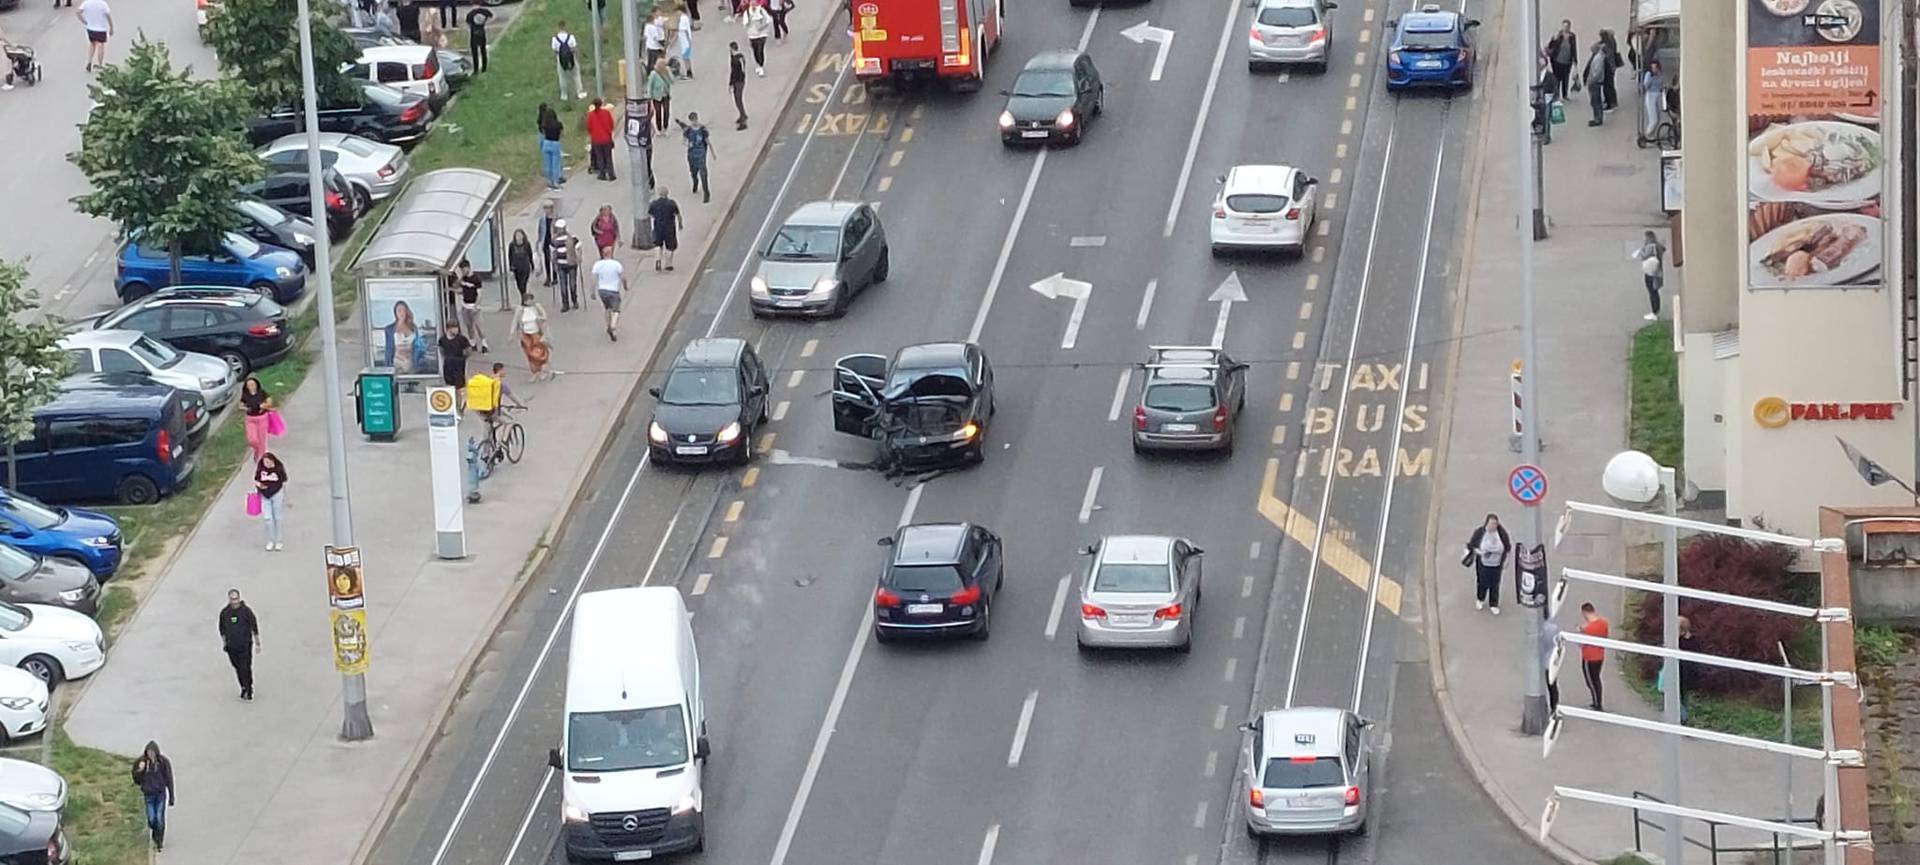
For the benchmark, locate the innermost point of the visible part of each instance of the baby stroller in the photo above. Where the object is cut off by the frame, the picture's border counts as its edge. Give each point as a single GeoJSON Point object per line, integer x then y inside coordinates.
{"type": "Point", "coordinates": [21, 65]}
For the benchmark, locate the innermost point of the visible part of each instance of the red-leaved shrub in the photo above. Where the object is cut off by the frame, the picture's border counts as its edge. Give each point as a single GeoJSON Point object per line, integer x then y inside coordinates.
{"type": "Point", "coordinates": [1736, 567]}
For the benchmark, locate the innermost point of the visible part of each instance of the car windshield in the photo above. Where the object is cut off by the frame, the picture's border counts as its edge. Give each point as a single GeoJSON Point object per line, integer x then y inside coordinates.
{"type": "Point", "coordinates": [14, 617]}
{"type": "Point", "coordinates": [261, 212]}
{"type": "Point", "coordinates": [1180, 397]}
{"type": "Point", "coordinates": [1044, 82]}
{"type": "Point", "coordinates": [626, 739]}
{"type": "Point", "coordinates": [701, 387]}
{"type": "Point", "coordinates": [241, 245]}
{"type": "Point", "coordinates": [1296, 773]}
{"type": "Point", "coordinates": [925, 579]}
{"type": "Point", "coordinates": [1132, 578]}
{"type": "Point", "coordinates": [1287, 16]}
{"type": "Point", "coordinates": [805, 243]}
{"type": "Point", "coordinates": [15, 564]}
{"type": "Point", "coordinates": [928, 382]}
{"type": "Point", "coordinates": [31, 512]}
{"type": "Point", "coordinates": [1428, 40]}
{"type": "Point", "coordinates": [157, 354]}
{"type": "Point", "coordinates": [1256, 203]}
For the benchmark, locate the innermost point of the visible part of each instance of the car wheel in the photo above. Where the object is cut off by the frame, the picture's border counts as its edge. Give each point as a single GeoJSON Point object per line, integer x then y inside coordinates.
{"type": "Point", "coordinates": [137, 490]}
{"type": "Point", "coordinates": [880, 635]}
{"type": "Point", "coordinates": [44, 668]}
{"type": "Point", "coordinates": [1186, 647]}
{"type": "Point", "coordinates": [133, 291]}
{"type": "Point", "coordinates": [238, 363]}
{"type": "Point", "coordinates": [1254, 835]}
{"type": "Point", "coordinates": [362, 201]}
{"type": "Point", "coordinates": [885, 266]}
{"type": "Point", "coordinates": [264, 289]}
{"type": "Point", "coordinates": [986, 622]}
{"type": "Point", "coordinates": [1083, 648]}
{"type": "Point", "coordinates": [746, 448]}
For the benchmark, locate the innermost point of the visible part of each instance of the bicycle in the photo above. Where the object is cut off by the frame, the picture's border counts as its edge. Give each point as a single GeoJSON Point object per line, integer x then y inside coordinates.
{"type": "Point", "coordinates": [1666, 132]}
{"type": "Point", "coordinates": [506, 440]}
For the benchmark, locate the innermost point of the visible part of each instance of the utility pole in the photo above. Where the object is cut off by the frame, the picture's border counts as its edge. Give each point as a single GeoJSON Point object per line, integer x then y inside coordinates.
{"type": "Point", "coordinates": [1670, 666]}
{"type": "Point", "coordinates": [640, 146]}
{"type": "Point", "coordinates": [1538, 145]}
{"type": "Point", "coordinates": [1533, 709]}
{"type": "Point", "coordinates": [597, 10]}
{"type": "Point", "coordinates": [355, 724]}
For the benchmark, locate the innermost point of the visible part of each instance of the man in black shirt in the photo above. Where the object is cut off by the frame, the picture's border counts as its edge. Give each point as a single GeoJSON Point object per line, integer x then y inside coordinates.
{"type": "Point", "coordinates": [470, 303]}
{"type": "Point", "coordinates": [737, 82]}
{"type": "Point", "coordinates": [667, 223]}
{"type": "Point", "coordinates": [454, 348]}
{"type": "Point", "coordinates": [240, 637]}
{"type": "Point", "coordinates": [477, 19]}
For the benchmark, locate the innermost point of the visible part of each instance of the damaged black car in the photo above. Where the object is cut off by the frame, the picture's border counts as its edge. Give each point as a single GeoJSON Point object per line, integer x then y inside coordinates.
{"type": "Point", "coordinates": [927, 408]}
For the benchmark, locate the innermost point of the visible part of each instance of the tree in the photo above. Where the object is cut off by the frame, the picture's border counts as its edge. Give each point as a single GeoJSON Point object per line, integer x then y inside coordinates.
{"type": "Point", "coordinates": [31, 361]}
{"type": "Point", "coordinates": [258, 41]}
{"type": "Point", "coordinates": [164, 151]}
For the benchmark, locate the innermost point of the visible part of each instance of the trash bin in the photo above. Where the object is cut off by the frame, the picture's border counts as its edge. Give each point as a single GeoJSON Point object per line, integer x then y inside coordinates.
{"type": "Point", "coordinates": [375, 394]}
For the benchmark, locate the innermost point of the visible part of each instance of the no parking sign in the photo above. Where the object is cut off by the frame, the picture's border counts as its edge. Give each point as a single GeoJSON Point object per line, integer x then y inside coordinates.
{"type": "Point", "coordinates": [1527, 484]}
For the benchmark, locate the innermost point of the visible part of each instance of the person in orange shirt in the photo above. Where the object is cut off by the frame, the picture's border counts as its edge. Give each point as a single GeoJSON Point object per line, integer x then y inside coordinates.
{"type": "Point", "coordinates": [1592, 657]}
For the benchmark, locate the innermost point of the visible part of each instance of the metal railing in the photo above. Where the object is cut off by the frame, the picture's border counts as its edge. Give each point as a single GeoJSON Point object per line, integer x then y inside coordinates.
{"type": "Point", "coordinates": [1781, 848]}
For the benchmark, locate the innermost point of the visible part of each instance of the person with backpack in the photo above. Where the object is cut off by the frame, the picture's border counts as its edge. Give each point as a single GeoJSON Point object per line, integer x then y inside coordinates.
{"type": "Point", "coordinates": [566, 51]}
{"type": "Point", "coordinates": [758, 23]}
{"type": "Point", "coordinates": [153, 774]}
{"type": "Point", "coordinates": [566, 262]}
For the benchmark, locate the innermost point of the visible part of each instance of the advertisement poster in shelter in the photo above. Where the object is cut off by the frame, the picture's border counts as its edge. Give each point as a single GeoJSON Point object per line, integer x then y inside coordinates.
{"type": "Point", "coordinates": [1816, 158]}
{"type": "Point", "coordinates": [403, 325]}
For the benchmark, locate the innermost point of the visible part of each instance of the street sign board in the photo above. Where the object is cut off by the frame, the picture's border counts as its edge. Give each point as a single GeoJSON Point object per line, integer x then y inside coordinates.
{"type": "Point", "coordinates": [1527, 484]}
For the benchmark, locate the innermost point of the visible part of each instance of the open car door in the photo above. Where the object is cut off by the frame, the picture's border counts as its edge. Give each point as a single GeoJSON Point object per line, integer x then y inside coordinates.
{"type": "Point", "coordinates": [857, 379]}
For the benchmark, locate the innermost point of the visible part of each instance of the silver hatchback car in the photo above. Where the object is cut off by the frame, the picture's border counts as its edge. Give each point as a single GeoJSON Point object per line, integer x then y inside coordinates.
{"type": "Point", "coordinates": [1307, 772]}
{"type": "Point", "coordinates": [1140, 592]}
{"type": "Point", "coordinates": [1190, 399]}
{"type": "Point", "coordinates": [1291, 31]}
{"type": "Point", "coordinates": [823, 255]}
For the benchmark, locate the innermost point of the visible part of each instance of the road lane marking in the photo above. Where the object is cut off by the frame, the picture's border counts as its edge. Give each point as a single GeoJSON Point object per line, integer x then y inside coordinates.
{"type": "Point", "coordinates": [1220, 717]}
{"type": "Point", "coordinates": [546, 779]}
{"type": "Point", "coordinates": [1059, 606]}
{"type": "Point", "coordinates": [1019, 215]}
{"type": "Point", "coordinates": [1020, 729]}
{"type": "Point", "coordinates": [750, 477]}
{"type": "Point", "coordinates": [906, 135]}
{"type": "Point", "coordinates": [1213, 764]}
{"type": "Point", "coordinates": [894, 160]}
{"type": "Point", "coordinates": [1333, 176]}
{"type": "Point", "coordinates": [794, 378]}
{"type": "Point", "coordinates": [1286, 401]}
{"type": "Point", "coordinates": [1293, 370]}
{"type": "Point", "coordinates": [1353, 80]}
{"type": "Point", "coordinates": [1306, 310]}
{"type": "Point", "coordinates": [1280, 434]}
{"type": "Point", "coordinates": [1246, 587]}
{"type": "Point", "coordinates": [886, 183]}
{"type": "Point", "coordinates": [1335, 552]}
{"type": "Point", "coordinates": [1146, 305]}
{"type": "Point", "coordinates": [719, 547]}
{"type": "Point", "coordinates": [1366, 36]}
{"type": "Point", "coordinates": [1093, 489]}
{"type": "Point", "coordinates": [1346, 127]}
{"type": "Point", "coordinates": [1200, 121]}
{"type": "Point", "coordinates": [780, 410]}
{"type": "Point", "coordinates": [1367, 16]}
{"type": "Point", "coordinates": [766, 441]}
{"type": "Point", "coordinates": [1299, 340]}
{"type": "Point", "coordinates": [1352, 103]}
{"type": "Point", "coordinates": [1091, 241]}
{"type": "Point", "coordinates": [809, 348]}
{"type": "Point", "coordinates": [1239, 627]}
{"type": "Point", "coordinates": [1074, 318]}
{"type": "Point", "coordinates": [986, 847]}
{"type": "Point", "coordinates": [734, 509]}
{"type": "Point", "coordinates": [1332, 202]}
{"type": "Point", "coordinates": [1253, 551]}
{"type": "Point", "coordinates": [1120, 394]}
{"type": "Point", "coordinates": [1233, 666]}
{"type": "Point", "coordinates": [1200, 815]}
{"type": "Point", "coordinates": [1359, 58]}
{"type": "Point", "coordinates": [1284, 77]}
{"type": "Point", "coordinates": [1319, 254]}
{"type": "Point", "coordinates": [1340, 150]}
{"type": "Point", "coordinates": [1322, 230]}
{"type": "Point", "coordinates": [834, 705]}
{"type": "Point", "coordinates": [700, 583]}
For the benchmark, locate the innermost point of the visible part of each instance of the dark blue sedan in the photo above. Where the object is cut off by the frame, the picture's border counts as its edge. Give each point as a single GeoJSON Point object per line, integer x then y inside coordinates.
{"type": "Point", "coordinates": [86, 537]}
{"type": "Point", "coordinates": [237, 260]}
{"type": "Point", "coordinates": [1431, 48]}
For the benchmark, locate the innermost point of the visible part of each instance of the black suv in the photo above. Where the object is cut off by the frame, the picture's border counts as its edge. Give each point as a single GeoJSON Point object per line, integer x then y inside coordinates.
{"type": "Point", "coordinates": [714, 400]}
{"type": "Point", "coordinates": [928, 407]}
{"type": "Point", "coordinates": [241, 326]}
{"type": "Point", "coordinates": [381, 113]}
{"type": "Point", "coordinates": [265, 223]}
{"type": "Point", "coordinates": [939, 579]}
{"type": "Point", "coordinates": [287, 189]}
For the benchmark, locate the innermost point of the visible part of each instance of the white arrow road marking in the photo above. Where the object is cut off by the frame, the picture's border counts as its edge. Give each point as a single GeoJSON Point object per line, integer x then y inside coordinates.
{"type": "Point", "coordinates": [1143, 32]}
{"type": "Point", "coordinates": [1058, 286]}
{"type": "Point", "coordinates": [1229, 293]}
{"type": "Point", "coordinates": [783, 458]}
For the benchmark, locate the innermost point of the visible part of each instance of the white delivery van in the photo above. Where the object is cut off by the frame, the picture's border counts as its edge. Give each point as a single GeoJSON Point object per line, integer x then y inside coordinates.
{"type": "Point", "coordinates": [635, 736]}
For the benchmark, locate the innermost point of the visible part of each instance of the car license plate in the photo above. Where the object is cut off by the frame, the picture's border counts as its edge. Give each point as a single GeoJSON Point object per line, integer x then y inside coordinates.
{"type": "Point", "coordinates": [1136, 619]}
{"type": "Point", "coordinates": [691, 450]}
{"type": "Point", "coordinates": [1304, 802]}
{"type": "Point", "coordinates": [1033, 133]}
{"type": "Point", "coordinates": [1181, 427]}
{"type": "Point", "coordinates": [922, 609]}
{"type": "Point", "coordinates": [1428, 64]}
{"type": "Point", "coordinates": [787, 304]}
{"type": "Point", "coordinates": [632, 855]}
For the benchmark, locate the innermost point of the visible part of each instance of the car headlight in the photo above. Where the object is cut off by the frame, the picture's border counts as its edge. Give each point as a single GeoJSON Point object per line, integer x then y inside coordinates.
{"type": "Point", "coordinates": [16, 703]}
{"type": "Point", "coordinates": [102, 543]}
{"type": "Point", "coordinates": [572, 813]}
{"type": "Point", "coordinates": [81, 647]}
{"type": "Point", "coordinates": [209, 383]}
{"type": "Point", "coordinates": [1006, 120]}
{"type": "Point", "coordinates": [757, 286]}
{"type": "Point", "coordinates": [824, 287]}
{"type": "Point", "coordinates": [303, 239]}
{"type": "Point", "coordinates": [656, 432]}
{"type": "Point", "coordinates": [73, 594]}
{"type": "Point", "coordinates": [283, 272]}
{"type": "Point", "coordinates": [1065, 119]}
{"type": "Point", "coordinates": [689, 802]}
{"type": "Point", "coordinates": [966, 433]}
{"type": "Point", "coordinates": [728, 433]}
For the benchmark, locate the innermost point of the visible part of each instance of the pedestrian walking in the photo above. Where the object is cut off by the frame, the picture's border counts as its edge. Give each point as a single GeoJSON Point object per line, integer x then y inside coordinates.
{"type": "Point", "coordinates": [454, 349]}
{"type": "Point", "coordinates": [697, 138]}
{"type": "Point", "coordinates": [1653, 98]}
{"type": "Point", "coordinates": [759, 25]}
{"type": "Point", "coordinates": [598, 9]}
{"type": "Point", "coordinates": [600, 139]}
{"type": "Point", "coordinates": [1563, 50]}
{"type": "Point", "coordinates": [520, 261]}
{"type": "Point", "coordinates": [1593, 657]}
{"type": "Point", "coordinates": [240, 638]}
{"type": "Point", "coordinates": [430, 32]}
{"type": "Point", "coordinates": [470, 304]}
{"type": "Point", "coordinates": [257, 403]}
{"type": "Point", "coordinates": [477, 19]}
{"type": "Point", "coordinates": [56, 3]}
{"type": "Point", "coordinates": [153, 774]}
{"type": "Point", "coordinates": [610, 282]}
{"type": "Point", "coordinates": [566, 59]}
{"type": "Point", "coordinates": [1594, 75]}
{"type": "Point", "coordinates": [550, 132]}
{"type": "Point", "coordinates": [545, 232]}
{"type": "Point", "coordinates": [737, 82]}
{"type": "Point", "coordinates": [408, 18]}
{"type": "Point", "coordinates": [566, 263]}
{"type": "Point", "coordinates": [653, 37]}
{"type": "Point", "coordinates": [660, 93]}
{"type": "Point", "coordinates": [683, 40]}
{"type": "Point", "coordinates": [534, 341]}
{"type": "Point", "coordinates": [1652, 255]}
{"type": "Point", "coordinates": [666, 228]}
{"type": "Point", "coordinates": [1689, 670]}
{"type": "Point", "coordinates": [1549, 637]}
{"type": "Point", "coordinates": [269, 480]}
{"type": "Point", "coordinates": [386, 21]}
{"type": "Point", "coordinates": [1487, 550]}
{"type": "Point", "coordinates": [605, 227]}
{"type": "Point", "coordinates": [1611, 45]}
{"type": "Point", "coordinates": [449, 12]}
{"type": "Point", "coordinates": [778, 9]}
{"type": "Point", "coordinates": [97, 17]}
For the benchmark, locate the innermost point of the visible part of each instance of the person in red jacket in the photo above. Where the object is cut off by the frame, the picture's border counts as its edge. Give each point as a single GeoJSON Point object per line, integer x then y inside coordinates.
{"type": "Point", "coordinates": [600, 139]}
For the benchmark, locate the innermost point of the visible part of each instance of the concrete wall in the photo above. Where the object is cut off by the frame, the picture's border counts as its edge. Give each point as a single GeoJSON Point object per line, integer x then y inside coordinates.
{"type": "Point", "coordinates": [1716, 207]}
{"type": "Point", "coordinates": [1703, 392]}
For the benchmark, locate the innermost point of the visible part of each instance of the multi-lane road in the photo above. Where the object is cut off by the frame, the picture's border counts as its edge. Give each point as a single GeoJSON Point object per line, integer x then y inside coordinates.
{"type": "Point", "coordinates": [829, 748]}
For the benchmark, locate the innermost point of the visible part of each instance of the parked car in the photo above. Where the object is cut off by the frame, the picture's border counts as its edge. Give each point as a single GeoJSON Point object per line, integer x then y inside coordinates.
{"type": "Point", "coordinates": [413, 68]}
{"type": "Point", "coordinates": [55, 645]}
{"type": "Point", "coordinates": [111, 437]}
{"type": "Point", "coordinates": [81, 536]}
{"type": "Point", "coordinates": [274, 226]}
{"type": "Point", "coordinates": [453, 64]}
{"type": "Point", "coordinates": [30, 786]}
{"type": "Point", "coordinates": [26, 578]}
{"type": "Point", "coordinates": [23, 705]}
{"type": "Point", "coordinates": [381, 113]}
{"type": "Point", "coordinates": [712, 404]}
{"type": "Point", "coordinates": [286, 187]}
{"type": "Point", "coordinates": [236, 261]}
{"type": "Point", "coordinates": [824, 254]}
{"type": "Point", "coordinates": [247, 330]}
{"type": "Point", "coordinates": [132, 351]}
{"type": "Point", "coordinates": [373, 171]}
{"type": "Point", "coordinates": [32, 838]}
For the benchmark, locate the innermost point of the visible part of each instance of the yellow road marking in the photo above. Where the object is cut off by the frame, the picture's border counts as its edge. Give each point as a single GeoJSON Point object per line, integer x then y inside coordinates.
{"type": "Point", "coordinates": [1346, 127]}
{"type": "Point", "coordinates": [812, 346]}
{"type": "Point", "coordinates": [1293, 370]}
{"type": "Point", "coordinates": [1340, 150]}
{"type": "Point", "coordinates": [1359, 58]}
{"type": "Point", "coordinates": [1280, 434]}
{"type": "Point", "coordinates": [1334, 552]}
{"type": "Point", "coordinates": [766, 441]}
{"type": "Point", "coordinates": [1332, 202]}
{"type": "Point", "coordinates": [1319, 253]}
{"type": "Point", "coordinates": [1333, 176]}
{"type": "Point", "coordinates": [1322, 229]}
{"type": "Point", "coordinates": [719, 547]}
{"type": "Point", "coordinates": [1306, 310]}
{"type": "Point", "coordinates": [1352, 103]}
{"type": "Point", "coordinates": [734, 509]}
{"type": "Point", "coordinates": [1286, 402]}
{"type": "Point", "coordinates": [750, 477]}
{"type": "Point", "coordinates": [1366, 36]}
{"type": "Point", "coordinates": [894, 160]}
{"type": "Point", "coordinates": [906, 135]}
{"type": "Point", "coordinates": [1313, 279]}
{"type": "Point", "coordinates": [793, 378]}
{"type": "Point", "coordinates": [1353, 80]}
{"type": "Point", "coordinates": [700, 583]}
{"type": "Point", "coordinates": [780, 410]}
{"type": "Point", "coordinates": [1300, 340]}
{"type": "Point", "coordinates": [886, 183]}
{"type": "Point", "coordinates": [918, 110]}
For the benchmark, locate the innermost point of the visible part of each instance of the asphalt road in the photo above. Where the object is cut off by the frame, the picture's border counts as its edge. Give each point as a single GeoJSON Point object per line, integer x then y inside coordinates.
{"type": "Point", "coordinates": [830, 749]}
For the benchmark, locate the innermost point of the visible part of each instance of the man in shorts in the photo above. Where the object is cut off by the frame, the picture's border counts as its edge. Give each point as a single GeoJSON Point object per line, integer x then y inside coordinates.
{"type": "Point", "coordinates": [610, 282]}
{"type": "Point", "coordinates": [98, 19]}
{"type": "Point", "coordinates": [666, 228]}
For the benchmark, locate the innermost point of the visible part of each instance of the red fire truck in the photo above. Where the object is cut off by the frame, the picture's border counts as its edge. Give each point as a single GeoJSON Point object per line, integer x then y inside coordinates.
{"type": "Point", "coordinates": [947, 40]}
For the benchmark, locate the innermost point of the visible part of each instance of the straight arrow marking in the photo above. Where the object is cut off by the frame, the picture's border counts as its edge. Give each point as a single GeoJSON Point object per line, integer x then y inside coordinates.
{"type": "Point", "coordinates": [1229, 293]}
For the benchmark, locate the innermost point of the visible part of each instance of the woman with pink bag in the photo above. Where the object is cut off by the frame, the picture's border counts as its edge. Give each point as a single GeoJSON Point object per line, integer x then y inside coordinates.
{"type": "Point", "coordinates": [262, 418]}
{"type": "Point", "coordinates": [269, 478]}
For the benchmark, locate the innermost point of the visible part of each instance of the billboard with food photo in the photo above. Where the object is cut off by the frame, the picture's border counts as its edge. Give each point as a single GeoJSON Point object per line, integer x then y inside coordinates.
{"type": "Point", "coordinates": [1815, 154]}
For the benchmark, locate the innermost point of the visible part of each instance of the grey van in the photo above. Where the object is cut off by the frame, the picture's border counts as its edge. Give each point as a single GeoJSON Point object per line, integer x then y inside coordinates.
{"type": "Point", "coordinates": [824, 253]}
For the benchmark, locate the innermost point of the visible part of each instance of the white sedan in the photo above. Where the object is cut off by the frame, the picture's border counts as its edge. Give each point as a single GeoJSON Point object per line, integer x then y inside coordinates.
{"type": "Point", "coordinates": [1264, 207]}
{"type": "Point", "coordinates": [23, 704]}
{"type": "Point", "coordinates": [51, 643]}
{"type": "Point", "coordinates": [373, 169]}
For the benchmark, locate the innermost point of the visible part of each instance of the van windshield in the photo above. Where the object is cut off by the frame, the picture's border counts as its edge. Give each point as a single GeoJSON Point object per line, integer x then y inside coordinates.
{"type": "Point", "coordinates": [626, 739]}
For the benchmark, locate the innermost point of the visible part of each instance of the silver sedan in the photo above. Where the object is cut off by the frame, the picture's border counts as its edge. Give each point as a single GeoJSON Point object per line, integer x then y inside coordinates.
{"type": "Point", "coordinates": [373, 169]}
{"type": "Point", "coordinates": [1140, 592]}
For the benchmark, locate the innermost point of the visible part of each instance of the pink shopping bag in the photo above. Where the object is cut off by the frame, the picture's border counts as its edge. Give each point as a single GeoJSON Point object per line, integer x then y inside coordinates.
{"type": "Point", "coordinates": [253, 504]}
{"type": "Point", "coordinates": [275, 426]}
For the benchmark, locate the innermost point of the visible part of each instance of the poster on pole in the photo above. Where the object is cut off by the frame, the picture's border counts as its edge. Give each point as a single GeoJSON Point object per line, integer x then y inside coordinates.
{"type": "Point", "coordinates": [1816, 157]}
{"type": "Point", "coordinates": [346, 613]}
{"type": "Point", "coordinates": [349, 641]}
{"type": "Point", "coordinates": [346, 583]}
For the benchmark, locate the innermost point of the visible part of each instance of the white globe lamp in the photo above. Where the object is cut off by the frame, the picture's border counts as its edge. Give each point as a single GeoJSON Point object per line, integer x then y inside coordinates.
{"type": "Point", "coordinates": [1632, 478]}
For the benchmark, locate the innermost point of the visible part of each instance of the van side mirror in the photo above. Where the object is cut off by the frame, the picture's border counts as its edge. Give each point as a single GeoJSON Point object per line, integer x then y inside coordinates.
{"type": "Point", "coordinates": [553, 758]}
{"type": "Point", "coordinates": [758, 390]}
{"type": "Point", "coordinates": [886, 541]}
{"type": "Point", "coordinates": [1089, 549]}
{"type": "Point", "coordinates": [701, 748]}
{"type": "Point", "coordinates": [1473, 22]}
{"type": "Point", "coordinates": [654, 391]}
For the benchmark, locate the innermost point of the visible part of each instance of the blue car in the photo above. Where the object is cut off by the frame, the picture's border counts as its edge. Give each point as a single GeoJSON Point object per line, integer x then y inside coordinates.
{"type": "Point", "coordinates": [86, 537]}
{"type": "Point", "coordinates": [1431, 48]}
{"type": "Point", "coordinates": [238, 261]}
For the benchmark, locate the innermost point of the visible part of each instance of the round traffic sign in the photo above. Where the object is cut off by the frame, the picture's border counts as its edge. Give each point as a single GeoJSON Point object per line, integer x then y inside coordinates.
{"type": "Point", "coordinates": [1527, 484]}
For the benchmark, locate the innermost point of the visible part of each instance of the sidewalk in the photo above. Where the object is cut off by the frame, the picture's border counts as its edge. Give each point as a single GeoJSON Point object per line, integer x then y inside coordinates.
{"type": "Point", "coordinates": [270, 781]}
{"type": "Point", "coordinates": [1602, 193]}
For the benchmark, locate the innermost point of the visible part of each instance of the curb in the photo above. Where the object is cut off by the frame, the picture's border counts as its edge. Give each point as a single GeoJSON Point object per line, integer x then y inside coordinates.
{"type": "Point", "coordinates": [397, 794]}
{"type": "Point", "coordinates": [1429, 603]}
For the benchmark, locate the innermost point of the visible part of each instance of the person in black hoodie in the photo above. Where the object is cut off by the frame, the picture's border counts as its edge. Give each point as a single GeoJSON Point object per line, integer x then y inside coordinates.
{"type": "Point", "coordinates": [1487, 550]}
{"type": "Point", "coordinates": [153, 774]}
{"type": "Point", "coordinates": [240, 637]}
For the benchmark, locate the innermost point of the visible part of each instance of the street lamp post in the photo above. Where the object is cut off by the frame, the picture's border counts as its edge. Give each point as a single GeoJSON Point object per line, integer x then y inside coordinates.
{"type": "Point", "coordinates": [1634, 477]}
{"type": "Point", "coordinates": [356, 723]}
{"type": "Point", "coordinates": [640, 157]}
{"type": "Point", "coordinates": [1533, 709]}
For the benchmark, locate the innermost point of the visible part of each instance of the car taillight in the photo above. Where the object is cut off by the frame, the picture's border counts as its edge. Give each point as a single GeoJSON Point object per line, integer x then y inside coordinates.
{"type": "Point", "coordinates": [1353, 796]}
{"type": "Point", "coordinates": [386, 170]}
{"type": "Point", "coordinates": [1140, 417]}
{"type": "Point", "coordinates": [1219, 210]}
{"type": "Point", "coordinates": [1293, 213]}
{"type": "Point", "coordinates": [1254, 33]}
{"type": "Point", "coordinates": [1256, 798]}
{"type": "Point", "coordinates": [968, 595]}
{"type": "Point", "coordinates": [1089, 611]}
{"type": "Point", "coordinates": [163, 446]}
{"type": "Point", "coordinates": [1220, 418]}
{"type": "Point", "coordinates": [334, 201]}
{"type": "Point", "coordinates": [884, 598]}
{"type": "Point", "coordinates": [266, 329]}
{"type": "Point", "coordinates": [412, 113]}
{"type": "Point", "coordinates": [1319, 34]}
{"type": "Point", "coordinates": [1169, 612]}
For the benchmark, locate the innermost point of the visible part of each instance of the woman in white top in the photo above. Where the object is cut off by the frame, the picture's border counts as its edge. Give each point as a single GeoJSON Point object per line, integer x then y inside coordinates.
{"type": "Point", "coordinates": [1486, 551]}
{"type": "Point", "coordinates": [683, 40]}
{"type": "Point", "coordinates": [532, 321]}
{"type": "Point", "coordinates": [759, 25]}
